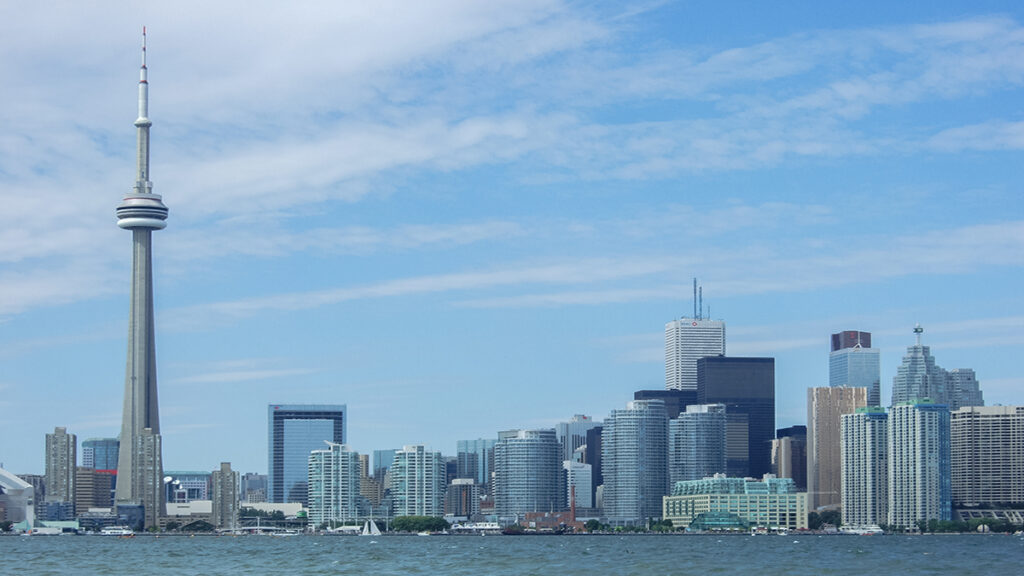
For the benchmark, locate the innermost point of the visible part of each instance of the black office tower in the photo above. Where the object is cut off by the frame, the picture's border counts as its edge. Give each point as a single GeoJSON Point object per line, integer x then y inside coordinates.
{"type": "Point", "coordinates": [746, 386]}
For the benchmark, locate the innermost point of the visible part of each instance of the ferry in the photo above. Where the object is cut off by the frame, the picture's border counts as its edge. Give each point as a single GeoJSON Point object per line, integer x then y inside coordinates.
{"type": "Point", "coordinates": [861, 530]}
{"type": "Point", "coordinates": [122, 531]}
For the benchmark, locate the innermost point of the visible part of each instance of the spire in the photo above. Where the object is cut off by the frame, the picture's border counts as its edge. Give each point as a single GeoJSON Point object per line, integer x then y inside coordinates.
{"type": "Point", "coordinates": [917, 332]}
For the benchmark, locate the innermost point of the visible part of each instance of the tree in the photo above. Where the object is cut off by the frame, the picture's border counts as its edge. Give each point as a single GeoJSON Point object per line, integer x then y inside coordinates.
{"type": "Point", "coordinates": [592, 525]}
{"type": "Point", "coordinates": [419, 524]}
{"type": "Point", "coordinates": [173, 525]}
{"type": "Point", "coordinates": [5, 526]}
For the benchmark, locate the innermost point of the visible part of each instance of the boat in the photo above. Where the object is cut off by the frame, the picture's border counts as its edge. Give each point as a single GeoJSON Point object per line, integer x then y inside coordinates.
{"type": "Point", "coordinates": [370, 529]}
{"type": "Point", "coordinates": [123, 531]}
{"type": "Point", "coordinates": [861, 530]}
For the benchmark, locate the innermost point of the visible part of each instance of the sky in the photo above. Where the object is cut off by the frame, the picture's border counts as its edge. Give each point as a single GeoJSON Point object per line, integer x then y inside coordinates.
{"type": "Point", "coordinates": [463, 217]}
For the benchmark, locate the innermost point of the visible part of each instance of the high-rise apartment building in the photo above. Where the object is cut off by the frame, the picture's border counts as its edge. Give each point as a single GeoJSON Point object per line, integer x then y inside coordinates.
{"type": "Point", "coordinates": [634, 459]}
{"type": "Point", "coordinates": [854, 363]}
{"type": "Point", "coordinates": [675, 401]}
{"type": "Point", "coordinates": [417, 482]}
{"type": "Point", "coordinates": [825, 407]}
{"type": "Point", "coordinates": [865, 476]}
{"type": "Point", "coordinates": [696, 443]}
{"type": "Point", "coordinates": [918, 378]}
{"type": "Point", "coordinates": [92, 489]}
{"type": "Point", "coordinates": [253, 487]}
{"type": "Point", "coordinates": [382, 460]}
{"type": "Point", "coordinates": [295, 430]}
{"type": "Point", "coordinates": [224, 485]}
{"type": "Point", "coordinates": [475, 459]}
{"type": "Point", "coordinates": [573, 434]}
{"type": "Point", "coordinates": [61, 457]}
{"type": "Point", "coordinates": [578, 484]}
{"type": "Point", "coordinates": [334, 481]}
{"type": "Point", "coordinates": [526, 473]}
{"type": "Point", "coordinates": [139, 463]}
{"type": "Point", "coordinates": [747, 388]}
{"type": "Point", "coordinates": [987, 454]}
{"type": "Point", "coordinates": [962, 386]}
{"type": "Point", "coordinates": [919, 464]}
{"type": "Point", "coordinates": [686, 341]}
{"type": "Point", "coordinates": [462, 498]}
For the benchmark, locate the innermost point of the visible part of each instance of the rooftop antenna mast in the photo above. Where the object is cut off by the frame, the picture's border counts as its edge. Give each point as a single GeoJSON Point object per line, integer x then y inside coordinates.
{"type": "Point", "coordinates": [700, 295]}
{"type": "Point", "coordinates": [694, 296]}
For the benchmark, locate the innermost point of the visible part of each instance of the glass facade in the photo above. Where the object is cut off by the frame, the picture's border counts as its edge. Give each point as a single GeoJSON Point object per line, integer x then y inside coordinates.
{"type": "Point", "coordinates": [294, 431]}
{"type": "Point", "coordinates": [526, 473]}
{"type": "Point", "coordinates": [634, 461]}
{"type": "Point", "coordinates": [333, 476]}
{"type": "Point", "coordinates": [770, 503]}
{"type": "Point", "coordinates": [100, 453]}
{"type": "Point", "coordinates": [417, 482]}
{"type": "Point", "coordinates": [696, 443]}
{"type": "Point", "coordinates": [475, 459]}
{"type": "Point", "coordinates": [857, 367]}
{"type": "Point", "coordinates": [919, 464]}
{"type": "Point", "coordinates": [747, 387]}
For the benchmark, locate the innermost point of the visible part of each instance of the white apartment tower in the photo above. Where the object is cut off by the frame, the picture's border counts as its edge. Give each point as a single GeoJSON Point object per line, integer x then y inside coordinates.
{"type": "Point", "coordinates": [417, 482]}
{"type": "Point", "coordinates": [987, 453]}
{"type": "Point", "coordinates": [334, 482]}
{"type": "Point", "coordinates": [865, 480]}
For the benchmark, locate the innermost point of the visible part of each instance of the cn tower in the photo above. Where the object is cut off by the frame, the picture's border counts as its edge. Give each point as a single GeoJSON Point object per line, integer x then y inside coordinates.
{"type": "Point", "coordinates": [139, 464]}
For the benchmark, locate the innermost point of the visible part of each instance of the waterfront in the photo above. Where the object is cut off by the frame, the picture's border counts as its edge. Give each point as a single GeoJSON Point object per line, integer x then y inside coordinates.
{"type": "Point", "coordinates": [503, 555]}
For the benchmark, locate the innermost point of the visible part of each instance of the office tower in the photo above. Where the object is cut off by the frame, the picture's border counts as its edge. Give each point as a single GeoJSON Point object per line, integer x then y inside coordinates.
{"type": "Point", "coordinates": [224, 485]}
{"type": "Point", "coordinates": [61, 456]}
{"type": "Point", "coordinates": [987, 454]}
{"type": "Point", "coordinates": [634, 461]}
{"type": "Point", "coordinates": [592, 456]}
{"type": "Point", "coordinates": [187, 485]}
{"type": "Point", "coordinates": [370, 488]}
{"type": "Point", "coordinates": [918, 378]}
{"type": "Point", "coordinates": [417, 482]}
{"type": "Point", "coordinates": [696, 443]}
{"type": "Point", "coordinates": [963, 389]}
{"type": "Point", "coordinates": [825, 407]}
{"type": "Point", "coordinates": [334, 483]}
{"type": "Point", "coordinates": [578, 484]}
{"type": "Point", "coordinates": [676, 401]}
{"type": "Point", "coordinates": [686, 341]}
{"type": "Point", "coordinates": [865, 456]}
{"type": "Point", "coordinates": [382, 460]}
{"type": "Point", "coordinates": [854, 363]}
{"type": "Point", "coordinates": [295, 430]}
{"type": "Point", "coordinates": [919, 464]}
{"type": "Point", "coordinates": [526, 466]}
{"type": "Point", "coordinates": [139, 465]}
{"type": "Point", "coordinates": [475, 459]}
{"type": "Point", "coordinates": [253, 487]}
{"type": "Point", "coordinates": [100, 453]}
{"type": "Point", "coordinates": [462, 498]}
{"type": "Point", "coordinates": [17, 498]}
{"type": "Point", "coordinates": [747, 388]}
{"type": "Point", "coordinates": [92, 489]}
{"type": "Point", "coordinates": [573, 434]}
{"type": "Point", "coordinates": [789, 455]}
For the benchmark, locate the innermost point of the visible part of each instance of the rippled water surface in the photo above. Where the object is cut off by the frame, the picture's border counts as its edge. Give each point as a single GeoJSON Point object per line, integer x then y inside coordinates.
{"type": "Point", "coordinates": [520, 556]}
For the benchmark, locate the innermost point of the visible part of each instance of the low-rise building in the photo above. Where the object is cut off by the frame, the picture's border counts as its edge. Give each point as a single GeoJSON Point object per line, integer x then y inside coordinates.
{"type": "Point", "coordinates": [771, 502]}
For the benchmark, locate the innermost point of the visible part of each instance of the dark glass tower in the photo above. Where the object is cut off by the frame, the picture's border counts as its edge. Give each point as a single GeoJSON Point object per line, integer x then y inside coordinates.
{"type": "Point", "coordinates": [747, 388]}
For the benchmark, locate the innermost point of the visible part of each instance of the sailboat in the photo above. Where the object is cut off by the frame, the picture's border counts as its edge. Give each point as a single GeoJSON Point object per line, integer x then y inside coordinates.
{"type": "Point", "coordinates": [370, 529]}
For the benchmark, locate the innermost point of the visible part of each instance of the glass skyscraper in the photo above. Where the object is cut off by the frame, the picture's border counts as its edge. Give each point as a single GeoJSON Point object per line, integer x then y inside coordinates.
{"type": "Point", "coordinates": [295, 430]}
{"type": "Point", "coordinates": [920, 485]}
{"type": "Point", "coordinates": [100, 453]}
{"type": "Point", "coordinates": [918, 377]}
{"type": "Point", "coordinates": [333, 484]}
{"type": "Point", "coordinates": [747, 388]}
{"type": "Point", "coordinates": [634, 461]}
{"type": "Point", "coordinates": [854, 363]}
{"type": "Point", "coordinates": [475, 459]}
{"type": "Point", "coordinates": [416, 480]}
{"type": "Point", "coordinates": [696, 443]}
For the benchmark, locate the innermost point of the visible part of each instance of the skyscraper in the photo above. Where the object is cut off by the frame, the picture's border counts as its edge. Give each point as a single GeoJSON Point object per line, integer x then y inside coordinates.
{"type": "Point", "coordinates": [139, 464]}
{"type": "Point", "coordinates": [919, 464]}
{"type": "Point", "coordinates": [526, 473]}
{"type": "Point", "coordinates": [687, 340]}
{"type": "Point", "coordinates": [417, 482]}
{"type": "Point", "coordinates": [747, 388]}
{"type": "Point", "coordinates": [475, 459]}
{"type": "Point", "coordinates": [825, 407]}
{"type": "Point", "coordinates": [918, 378]}
{"type": "Point", "coordinates": [963, 389]}
{"type": "Point", "coordinates": [854, 363]}
{"type": "Point", "coordinates": [100, 453]}
{"type": "Point", "coordinates": [634, 459]}
{"type": "Point", "coordinates": [334, 482]}
{"type": "Point", "coordinates": [987, 454]}
{"type": "Point", "coordinates": [573, 434]}
{"type": "Point", "coordinates": [865, 477]}
{"type": "Point", "coordinates": [789, 455]}
{"type": "Point", "coordinates": [696, 443]}
{"type": "Point", "coordinates": [61, 454]}
{"type": "Point", "coordinates": [224, 483]}
{"type": "Point", "coordinates": [295, 430]}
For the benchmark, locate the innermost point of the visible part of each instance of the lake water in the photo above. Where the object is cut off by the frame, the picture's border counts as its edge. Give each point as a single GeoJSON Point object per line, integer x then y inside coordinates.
{"type": "Point", "coordinates": [514, 555]}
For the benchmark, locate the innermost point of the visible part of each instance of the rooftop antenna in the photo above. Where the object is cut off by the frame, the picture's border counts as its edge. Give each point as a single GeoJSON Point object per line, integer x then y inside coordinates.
{"type": "Point", "coordinates": [694, 296]}
{"type": "Point", "coordinates": [700, 292]}
{"type": "Point", "coordinates": [917, 332]}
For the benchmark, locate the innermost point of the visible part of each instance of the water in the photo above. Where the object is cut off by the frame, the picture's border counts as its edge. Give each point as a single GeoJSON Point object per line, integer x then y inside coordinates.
{"type": "Point", "coordinates": [508, 555]}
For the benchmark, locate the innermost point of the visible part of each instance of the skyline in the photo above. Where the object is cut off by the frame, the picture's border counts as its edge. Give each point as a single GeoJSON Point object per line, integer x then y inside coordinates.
{"type": "Point", "coordinates": [498, 208]}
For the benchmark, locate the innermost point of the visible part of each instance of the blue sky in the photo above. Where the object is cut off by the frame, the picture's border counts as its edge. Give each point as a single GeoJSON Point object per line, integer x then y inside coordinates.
{"type": "Point", "coordinates": [464, 217]}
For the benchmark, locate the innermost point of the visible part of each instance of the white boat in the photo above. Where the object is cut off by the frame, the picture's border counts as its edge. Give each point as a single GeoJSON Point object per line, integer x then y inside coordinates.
{"type": "Point", "coordinates": [370, 529]}
{"type": "Point", "coordinates": [117, 531]}
{"type": "Point", "coordinates": [861, 530]}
